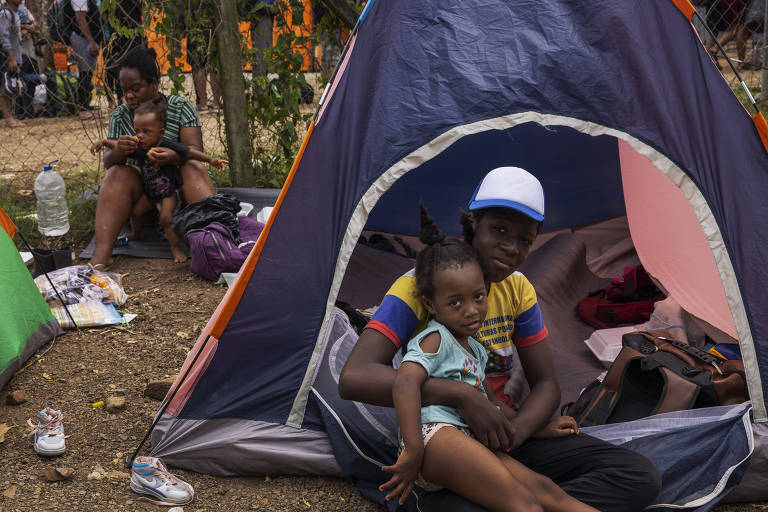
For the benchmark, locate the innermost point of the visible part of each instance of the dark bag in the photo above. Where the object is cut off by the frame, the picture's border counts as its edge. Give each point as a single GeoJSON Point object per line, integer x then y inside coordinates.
{"type": "Point", "coordinates": [629, 299]}
{"type": "Point", "coordinates": [654, 374]}
{"type": "Point", "coordinates": [219, 208]}
{"type": "Point", "coordinates": [60, 21]}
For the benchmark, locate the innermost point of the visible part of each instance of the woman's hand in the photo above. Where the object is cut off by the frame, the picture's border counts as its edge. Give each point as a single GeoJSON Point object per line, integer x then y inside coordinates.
{"type": "Point", "coordinates": [562, 426]}
{"type": "Point", "coordinates": [404, 474]}
{"type": "Point", "coordinates": [487, 421]}
{"type": "Point", "coordinates": [163, 156]}
{"type": "Point", "coordinates": [127, 144]}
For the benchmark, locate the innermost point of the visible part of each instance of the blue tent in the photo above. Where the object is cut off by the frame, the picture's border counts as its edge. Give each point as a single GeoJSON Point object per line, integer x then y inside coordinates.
{"type": "Point", "coordinates": [429, 96]}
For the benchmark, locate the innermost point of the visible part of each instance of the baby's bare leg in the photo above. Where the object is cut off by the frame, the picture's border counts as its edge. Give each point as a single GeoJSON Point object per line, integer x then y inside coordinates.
{"type": "Point", "coordinates": [166, 213]}
{"type": "Point", "coordinates": [142, 206]}
{"type": "Point", "coordinates": [548, 493]}
{"type": "Point", "coordinates": [463, 465]}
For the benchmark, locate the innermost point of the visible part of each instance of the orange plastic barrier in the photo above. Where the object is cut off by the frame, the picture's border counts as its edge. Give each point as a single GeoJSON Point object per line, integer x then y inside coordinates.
{"type": "Point", "coordinates": [158, 42]}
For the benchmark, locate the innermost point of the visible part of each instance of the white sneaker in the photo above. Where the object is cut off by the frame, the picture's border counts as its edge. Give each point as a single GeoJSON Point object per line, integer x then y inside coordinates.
{"type": "Point", "coordinates": [49, 433]}
{"type": "Point", "coordinates": [150, 476]}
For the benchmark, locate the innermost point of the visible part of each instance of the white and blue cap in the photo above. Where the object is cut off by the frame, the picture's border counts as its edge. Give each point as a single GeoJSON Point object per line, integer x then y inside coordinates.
{"type": "Point", "coordinates": [510, 187]}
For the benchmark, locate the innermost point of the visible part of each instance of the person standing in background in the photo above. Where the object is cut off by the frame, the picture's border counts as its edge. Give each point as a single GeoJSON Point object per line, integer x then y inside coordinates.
{"type": "Point", "coordinates": [30, 69]}
{"type": "Point", "coordinates": [127, 14]}
{"type": "Point", "coordinates": [10, 60]}
{"type": "Point", "coordinates": [200, 21]}
{"type": "Point", "coordinates": [84, 39]}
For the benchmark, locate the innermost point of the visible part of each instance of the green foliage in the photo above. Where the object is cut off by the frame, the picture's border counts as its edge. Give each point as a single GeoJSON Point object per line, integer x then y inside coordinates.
{"type": "Point", "coordinates": [740, 93]}
{"type": "Point", "coordinates": [22, 210]}
{"type": "Point", "coordinates": [274, 113]}
{"type": "Point", "coordinates": [274, 99]}
{"type": "Point", "coordinates": [328, 31]}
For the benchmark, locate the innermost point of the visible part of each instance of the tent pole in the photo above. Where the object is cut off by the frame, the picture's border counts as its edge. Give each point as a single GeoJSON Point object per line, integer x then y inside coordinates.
{"type": "Point", "coordinates": [336, 68]}
{"type": "Point", "coordinates": [37, 263]}
{"type": "Point", "coordinates": [730, 63]}
{"type": "Point", "coordinates": [129, 460]}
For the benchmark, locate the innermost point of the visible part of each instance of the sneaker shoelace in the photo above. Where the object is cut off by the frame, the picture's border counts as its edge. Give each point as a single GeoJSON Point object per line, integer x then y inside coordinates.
{"type": "Point", "coordinates": [162, 472]}
{"type": "Point", "coordinates": [49, 423]}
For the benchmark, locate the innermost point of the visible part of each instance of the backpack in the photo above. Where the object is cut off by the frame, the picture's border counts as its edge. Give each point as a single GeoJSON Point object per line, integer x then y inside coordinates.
{"type": "Point", "coordinates": [654, 374]}
{"type": "Point", "coordinates": [629, 299]}
{"type": "Point", "coordinates": [61, 94]}
{"type": "Point", "coordinates": [213, 249]}
{"type": "Point", "coordinates": [60, 21]}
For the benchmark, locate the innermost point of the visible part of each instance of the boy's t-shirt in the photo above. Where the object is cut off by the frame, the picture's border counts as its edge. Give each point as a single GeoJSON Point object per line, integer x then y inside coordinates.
{"type": "Point", "coordinates": [513, 320]}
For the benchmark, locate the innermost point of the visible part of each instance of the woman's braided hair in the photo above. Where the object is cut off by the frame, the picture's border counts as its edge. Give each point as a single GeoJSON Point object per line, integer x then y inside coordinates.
{"type": "Point", "coordinates": [441, 252]}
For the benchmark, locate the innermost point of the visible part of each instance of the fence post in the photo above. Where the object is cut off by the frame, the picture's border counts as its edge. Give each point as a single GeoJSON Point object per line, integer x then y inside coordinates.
{"type": "Point", "coordinates": [233, 94]}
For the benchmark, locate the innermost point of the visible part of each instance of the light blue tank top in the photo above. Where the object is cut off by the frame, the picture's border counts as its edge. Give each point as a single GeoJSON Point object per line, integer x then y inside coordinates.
{"type": "Point", "coordinates": [450, 361]}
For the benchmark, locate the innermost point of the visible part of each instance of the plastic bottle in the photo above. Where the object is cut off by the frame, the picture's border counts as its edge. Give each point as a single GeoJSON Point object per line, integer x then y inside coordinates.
{"type": "Point", "coordinates": [52, 212]}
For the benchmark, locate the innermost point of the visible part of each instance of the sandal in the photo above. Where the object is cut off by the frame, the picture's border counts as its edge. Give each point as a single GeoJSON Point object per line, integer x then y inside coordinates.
{"type": "Point", "coordinates": [99, 267]}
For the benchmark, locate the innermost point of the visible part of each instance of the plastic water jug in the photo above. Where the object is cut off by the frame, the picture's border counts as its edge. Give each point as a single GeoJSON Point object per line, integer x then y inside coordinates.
{"type": "Point", "coordinates": [52, 212]}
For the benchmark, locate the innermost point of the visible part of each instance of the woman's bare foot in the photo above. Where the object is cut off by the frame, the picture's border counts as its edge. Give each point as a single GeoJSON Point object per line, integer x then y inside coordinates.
{"type": "Point", "coordinates": [101, 267]}
{"type": "Point", "coordinates": [178, 254]}
{"type": "Point", "coordinates": [11, 123]}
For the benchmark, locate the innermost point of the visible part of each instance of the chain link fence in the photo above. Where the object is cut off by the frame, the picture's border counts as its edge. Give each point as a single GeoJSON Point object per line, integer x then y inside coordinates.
{"type": "Point", "coordinates": [50, 111]}
{"type": "Point", "coordinates": [738, 27]}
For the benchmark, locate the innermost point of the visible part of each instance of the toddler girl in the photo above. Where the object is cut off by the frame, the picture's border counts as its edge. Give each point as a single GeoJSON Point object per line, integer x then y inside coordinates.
{"type": "Point", "coordinates": [437, 446]}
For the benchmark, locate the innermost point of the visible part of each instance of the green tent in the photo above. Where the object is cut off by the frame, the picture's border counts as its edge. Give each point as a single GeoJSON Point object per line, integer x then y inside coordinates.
{"type": "Point", "coordinates": [26, 321]}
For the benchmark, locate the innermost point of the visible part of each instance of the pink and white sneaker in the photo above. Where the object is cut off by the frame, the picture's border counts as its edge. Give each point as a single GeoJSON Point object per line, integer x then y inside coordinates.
{"type": "Point", "coordinates": [49, 433]}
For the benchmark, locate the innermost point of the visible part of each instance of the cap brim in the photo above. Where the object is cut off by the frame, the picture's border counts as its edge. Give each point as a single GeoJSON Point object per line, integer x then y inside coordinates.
{"type": "Point", "coordinates": [502, 203]}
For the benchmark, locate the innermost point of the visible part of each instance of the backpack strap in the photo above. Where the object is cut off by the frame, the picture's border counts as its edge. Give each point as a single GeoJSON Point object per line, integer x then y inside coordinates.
{"type": "Point", "coordinates": [683, 397]}
{"type": "Point", "coordinates": [609, 393]}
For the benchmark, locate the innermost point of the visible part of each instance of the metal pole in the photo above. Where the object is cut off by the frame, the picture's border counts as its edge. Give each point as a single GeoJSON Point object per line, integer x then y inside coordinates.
{"type": "Point", "coordinates": [764, 88]}
{"type": "Point", "coordinates": [61, 299]}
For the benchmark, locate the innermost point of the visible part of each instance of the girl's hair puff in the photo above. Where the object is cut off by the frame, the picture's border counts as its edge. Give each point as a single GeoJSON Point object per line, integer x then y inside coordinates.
{"type": "Point", "coordinates": [156, 106]}
{"type": "Point", "coordinates": [441, 252]}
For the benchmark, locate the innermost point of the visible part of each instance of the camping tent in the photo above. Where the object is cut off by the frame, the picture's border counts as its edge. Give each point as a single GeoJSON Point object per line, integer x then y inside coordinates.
{"type": "Point", "coordinates": [613, 104]}
{"type": "Point", "coordinates": [26, 321]}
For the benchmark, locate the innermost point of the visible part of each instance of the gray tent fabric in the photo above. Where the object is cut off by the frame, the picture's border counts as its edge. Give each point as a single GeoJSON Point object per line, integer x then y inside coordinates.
{"type": "Point", "coordinates": [700, 453]}
{"type": "Point", "coordinates": [559, 273]}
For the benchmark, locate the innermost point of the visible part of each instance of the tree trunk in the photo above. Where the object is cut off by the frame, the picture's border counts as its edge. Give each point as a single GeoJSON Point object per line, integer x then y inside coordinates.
{"type": "Point", "coordinates": [343, 10]}
{"type": "Point", "coordinates": [233, 94]}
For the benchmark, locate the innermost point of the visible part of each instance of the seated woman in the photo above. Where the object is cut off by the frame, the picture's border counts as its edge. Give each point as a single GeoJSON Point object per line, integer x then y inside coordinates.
{"type": "Point", "coordinates": [505, 217]}
{"type": "Point", "coordinates": [122, 188]}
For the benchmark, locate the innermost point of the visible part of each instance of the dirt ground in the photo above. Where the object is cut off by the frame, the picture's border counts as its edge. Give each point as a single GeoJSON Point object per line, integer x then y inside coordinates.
{"type": "Point", "coordinates": [80, 368]}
